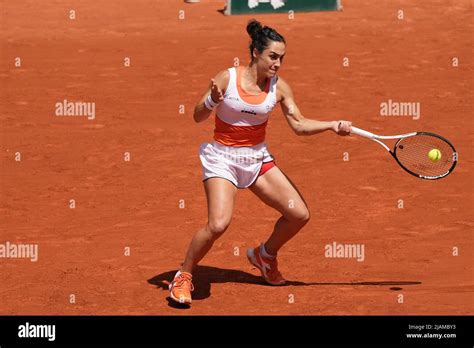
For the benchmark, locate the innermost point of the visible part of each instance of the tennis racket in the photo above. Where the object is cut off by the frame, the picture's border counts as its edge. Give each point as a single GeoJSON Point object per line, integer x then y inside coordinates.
{"type": "Point", "coordinates": [411, 152]}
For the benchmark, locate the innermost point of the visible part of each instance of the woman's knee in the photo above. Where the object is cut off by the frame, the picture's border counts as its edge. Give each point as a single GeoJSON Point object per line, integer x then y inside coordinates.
{"type": "Point", "coordinates": [300, 216]}
{"type": "Point", "coordinates": [217, 226]}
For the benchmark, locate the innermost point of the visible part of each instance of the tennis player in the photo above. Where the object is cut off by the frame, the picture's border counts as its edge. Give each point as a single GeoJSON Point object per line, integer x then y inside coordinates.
{"type": "Point", "coordinates": [238, 158]}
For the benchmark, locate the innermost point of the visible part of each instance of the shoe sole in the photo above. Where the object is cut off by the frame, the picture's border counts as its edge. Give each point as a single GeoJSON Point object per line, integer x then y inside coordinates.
{"type": "Point", "coordinates": [252, 259]}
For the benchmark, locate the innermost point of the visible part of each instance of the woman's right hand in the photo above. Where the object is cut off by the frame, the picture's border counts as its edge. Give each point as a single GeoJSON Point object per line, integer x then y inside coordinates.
{"type": "Point", "coordinates": [216, 92]}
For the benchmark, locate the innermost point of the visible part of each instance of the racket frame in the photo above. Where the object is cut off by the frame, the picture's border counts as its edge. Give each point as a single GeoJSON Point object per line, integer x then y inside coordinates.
{"type": "Point", "coordinates": [400, 137]}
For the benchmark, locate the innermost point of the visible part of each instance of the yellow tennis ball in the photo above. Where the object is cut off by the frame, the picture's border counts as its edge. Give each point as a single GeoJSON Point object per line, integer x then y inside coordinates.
{"type": "Point", "coordinates": [434, 155]}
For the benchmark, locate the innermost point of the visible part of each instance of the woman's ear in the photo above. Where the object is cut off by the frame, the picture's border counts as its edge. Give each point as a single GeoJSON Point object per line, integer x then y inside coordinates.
{"type": "Point", "coordinates": [255, 53]}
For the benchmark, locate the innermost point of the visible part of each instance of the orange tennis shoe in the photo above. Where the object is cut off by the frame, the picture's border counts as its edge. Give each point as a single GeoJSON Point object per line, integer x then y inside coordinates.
{"type": "Point", "coordinates": [268, 267]}
{"type": "Point", "coordinates": [181, 287]}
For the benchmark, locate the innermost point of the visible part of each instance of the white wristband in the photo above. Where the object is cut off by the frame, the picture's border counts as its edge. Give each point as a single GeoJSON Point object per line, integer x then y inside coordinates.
{"type": "Point", "coordinates": [209, 103]}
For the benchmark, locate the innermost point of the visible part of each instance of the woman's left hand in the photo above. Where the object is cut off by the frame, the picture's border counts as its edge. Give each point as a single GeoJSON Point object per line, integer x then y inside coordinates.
{"type": "Point", "coordinates": [342, 127]}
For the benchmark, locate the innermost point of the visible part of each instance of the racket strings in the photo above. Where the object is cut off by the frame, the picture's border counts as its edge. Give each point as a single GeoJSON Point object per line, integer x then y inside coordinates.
{"type": "Point", "coordinates": [413, 154]}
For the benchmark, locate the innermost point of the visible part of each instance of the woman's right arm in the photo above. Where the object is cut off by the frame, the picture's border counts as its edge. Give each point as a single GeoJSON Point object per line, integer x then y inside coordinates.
{"type": "Point", "coordinates": [216, 90]}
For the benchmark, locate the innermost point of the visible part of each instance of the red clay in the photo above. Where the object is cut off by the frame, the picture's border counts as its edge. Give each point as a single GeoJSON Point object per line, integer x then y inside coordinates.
{"type": "Point", "coordinates": [136, 204]}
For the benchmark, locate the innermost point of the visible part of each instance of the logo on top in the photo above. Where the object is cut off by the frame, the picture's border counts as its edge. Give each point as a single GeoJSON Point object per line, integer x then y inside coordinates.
{"type": "Point", "coordinates": [249, 112]}
{"type": "Point", "coordinates": [231, 98]}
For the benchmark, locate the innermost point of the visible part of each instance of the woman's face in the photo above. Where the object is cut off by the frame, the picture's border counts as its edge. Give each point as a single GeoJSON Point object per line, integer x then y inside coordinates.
{"type": "Point", "coordinates": [269, 61]}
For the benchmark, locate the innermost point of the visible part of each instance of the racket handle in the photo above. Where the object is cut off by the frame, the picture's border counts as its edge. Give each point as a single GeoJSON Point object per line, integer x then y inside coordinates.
{"type": "Point", "coordinates": [362, 133]}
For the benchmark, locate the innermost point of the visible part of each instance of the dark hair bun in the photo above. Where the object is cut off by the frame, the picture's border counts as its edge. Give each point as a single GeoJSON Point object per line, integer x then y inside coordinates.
{"type": "Point", "coordinates": [253, 27]}
{"type": "Point", "coordinates": [261, 36]}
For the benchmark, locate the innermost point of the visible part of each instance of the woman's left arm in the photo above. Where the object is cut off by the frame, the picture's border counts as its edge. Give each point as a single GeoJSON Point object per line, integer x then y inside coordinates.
{"type": "Point", "coordinates": [302, 125]}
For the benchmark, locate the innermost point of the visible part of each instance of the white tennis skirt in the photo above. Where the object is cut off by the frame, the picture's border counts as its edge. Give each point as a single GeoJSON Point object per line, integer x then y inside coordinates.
{"type": "Point", "coordinates": [239, 165]}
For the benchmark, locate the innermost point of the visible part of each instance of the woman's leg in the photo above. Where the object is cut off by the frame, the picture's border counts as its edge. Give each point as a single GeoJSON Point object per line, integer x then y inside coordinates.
{"type": "Point", "coordinates": [220, 195]}
{"type": "Point", "coordinates": [276, 190]}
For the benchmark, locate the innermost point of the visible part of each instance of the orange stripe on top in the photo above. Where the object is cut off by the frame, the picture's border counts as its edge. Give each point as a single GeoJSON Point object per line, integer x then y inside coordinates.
{"type": "Point", "coordinates": [251, 98]}
{"type": "Point", "coordinates": [229, 135]}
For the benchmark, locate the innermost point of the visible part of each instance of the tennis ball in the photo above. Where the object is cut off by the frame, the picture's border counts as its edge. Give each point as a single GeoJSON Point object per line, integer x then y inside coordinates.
{"type": "Point", "coordinates": [434, 155]}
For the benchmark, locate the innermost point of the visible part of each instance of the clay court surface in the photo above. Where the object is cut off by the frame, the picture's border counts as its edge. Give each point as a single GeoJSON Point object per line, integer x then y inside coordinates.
{"type": "Point", "coordinates": [136, 204]}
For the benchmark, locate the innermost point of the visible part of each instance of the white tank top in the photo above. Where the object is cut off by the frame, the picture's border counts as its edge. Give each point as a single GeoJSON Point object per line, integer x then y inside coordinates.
{"type": "Point", "coordinates": [241, 118]}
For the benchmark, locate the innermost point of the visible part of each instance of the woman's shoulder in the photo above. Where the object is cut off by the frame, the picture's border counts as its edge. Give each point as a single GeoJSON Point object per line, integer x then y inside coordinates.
{"type": "Point", "coordinates": [222, 78]}
{"type": "Point", "coordinates": [282, 84]}
{"type": "Point", "coordinates": [283, 88]}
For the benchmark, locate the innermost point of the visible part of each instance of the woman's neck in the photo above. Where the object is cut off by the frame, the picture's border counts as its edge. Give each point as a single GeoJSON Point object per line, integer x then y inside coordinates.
{"type": "Point", "coordinates": [252, 75]}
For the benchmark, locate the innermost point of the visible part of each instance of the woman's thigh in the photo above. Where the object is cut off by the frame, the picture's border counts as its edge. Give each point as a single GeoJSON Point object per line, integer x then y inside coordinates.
{"type": "Point", "coordinates": [276, 190]}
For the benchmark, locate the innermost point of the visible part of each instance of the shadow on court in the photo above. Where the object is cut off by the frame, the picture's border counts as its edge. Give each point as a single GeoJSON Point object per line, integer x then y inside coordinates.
{"type": "Point", "coordinates": [205, 276]}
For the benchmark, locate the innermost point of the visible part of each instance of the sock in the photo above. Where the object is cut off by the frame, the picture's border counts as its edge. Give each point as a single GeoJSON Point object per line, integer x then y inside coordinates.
{"type": "Point", "coordinates": [264, 253]}
{"type": "Point", "coordinates": [179, 273]}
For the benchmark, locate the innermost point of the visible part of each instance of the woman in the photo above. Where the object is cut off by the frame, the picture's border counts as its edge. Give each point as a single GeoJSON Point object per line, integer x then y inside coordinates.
{"type": "Point", "coordinates": [238, 158]}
